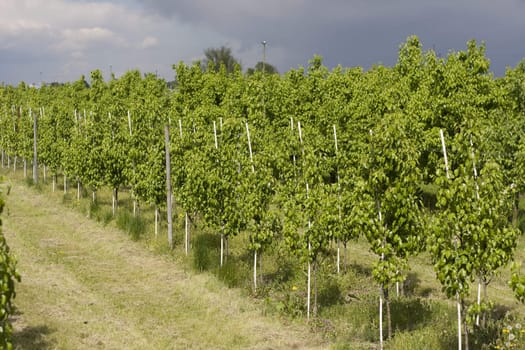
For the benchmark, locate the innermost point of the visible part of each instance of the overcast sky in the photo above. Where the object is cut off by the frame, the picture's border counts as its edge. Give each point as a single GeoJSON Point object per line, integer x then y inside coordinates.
{"type": "Point", "coordinates": [59, 40]}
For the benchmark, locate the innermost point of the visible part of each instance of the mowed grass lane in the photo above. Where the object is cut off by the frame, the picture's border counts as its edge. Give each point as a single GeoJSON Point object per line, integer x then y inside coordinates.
{"type": "Point", "coordinates": [86, 286]}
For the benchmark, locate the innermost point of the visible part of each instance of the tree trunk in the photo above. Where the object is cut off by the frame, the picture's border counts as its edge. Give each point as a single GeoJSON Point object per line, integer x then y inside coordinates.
{"type": "Point", "coordinates": [315, 288]}
{"type": "Point", "coordinates": [78, 190]}
{"type": "Point", "coordinates": [338, 257]}
{"type": "Point", "coordinates": [114, 202]}
{"type": "Point", "coordinates": [478, 299]}
{"type": "Point", "coordinates": [186, 233]}
{"type": "Point", "coordinates": [156, 221]}
{"type": "Point", "coordinates": [54, 182]}
{"type": "Point", "coordinates": [65, 184]}
{"type": "Point", "coordinates": [381, 292]}
{"type": "Point", "coordinates": [345, 265]}
{"type": "Point", "coordinates": [388, 315]}
{"type": "Point", "coordinates": [261, 276]}
{"type": "Point", "coordinates": [309, 273]}
{"type": "Point", "coordinates": [465, 324]}
{"type": "Point", "coordinates": [484, 319]}
{"type": "Point", "coordinates": [459, 322]}
{"type": "Point", "coordinates": [515, 210]}
{"type": "Point", "coordinates": [25, 168]}
{"type": "Point", "coordinates": [222, 247]}
{"type": "Point", "coordinates": [226, 248]}
{"type": "Point", "coordinates": [255, 270]}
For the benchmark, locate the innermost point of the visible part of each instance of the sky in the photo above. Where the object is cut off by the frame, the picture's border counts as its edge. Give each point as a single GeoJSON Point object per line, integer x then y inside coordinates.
{"type": "Point", "coordinates": [60, 40]}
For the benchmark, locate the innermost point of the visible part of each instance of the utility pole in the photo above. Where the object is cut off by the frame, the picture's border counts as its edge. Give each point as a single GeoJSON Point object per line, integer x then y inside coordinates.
{"type": "Point", "coordinates": [264, 56]}
{"type": "Point", "coordinates": [263, 71]}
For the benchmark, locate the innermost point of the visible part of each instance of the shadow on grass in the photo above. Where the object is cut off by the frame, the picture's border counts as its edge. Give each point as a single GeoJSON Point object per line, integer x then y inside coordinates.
{"type": "Point", "coordinates": [32, 338]}
{"type": "Point", "coordinates": [361, 270]}
{"type": "Point", "coordinates": [410, 313]}
{"type": "Point", "coordinates": [412, 286]}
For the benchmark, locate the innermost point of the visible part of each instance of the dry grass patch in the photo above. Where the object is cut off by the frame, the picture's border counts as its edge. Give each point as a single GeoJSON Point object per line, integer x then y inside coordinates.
{"type": "Point", "coordinates": [86, 286]}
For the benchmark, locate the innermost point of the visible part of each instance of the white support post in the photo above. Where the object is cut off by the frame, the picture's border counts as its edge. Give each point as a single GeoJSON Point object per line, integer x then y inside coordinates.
{"type": "Point", "coordinates": [168, 186]}
{"type": "Point", "coordinates": [455, 239]}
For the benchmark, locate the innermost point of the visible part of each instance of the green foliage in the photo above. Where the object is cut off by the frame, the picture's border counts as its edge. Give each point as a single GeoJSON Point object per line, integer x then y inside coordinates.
{"type": "Point", "coordinates": [8, 277]}
{"type": "Point", "coordinates": [392, 222]}
{"type": "Point", "coordinates": [517, 282]}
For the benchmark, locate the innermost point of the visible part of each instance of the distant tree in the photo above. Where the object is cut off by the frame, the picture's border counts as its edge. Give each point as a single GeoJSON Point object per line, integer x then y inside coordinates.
{"type": "Point", "coordinates": [262, 67]}
{"type": "Point", "coordinates": [214, 57]}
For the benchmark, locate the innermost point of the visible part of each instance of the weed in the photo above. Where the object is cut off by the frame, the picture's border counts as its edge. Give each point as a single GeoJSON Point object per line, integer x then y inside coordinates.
{"type": "Point", "coordinates": [205, 251]}
{"type": "Point", "coordinates": [133, 225]}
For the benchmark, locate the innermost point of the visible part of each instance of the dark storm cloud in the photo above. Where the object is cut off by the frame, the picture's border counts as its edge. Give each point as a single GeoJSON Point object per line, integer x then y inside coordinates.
{"type": "Point", "coordinates": [151, 35]}
{"type": "Point", "coordinates": [358, 32]}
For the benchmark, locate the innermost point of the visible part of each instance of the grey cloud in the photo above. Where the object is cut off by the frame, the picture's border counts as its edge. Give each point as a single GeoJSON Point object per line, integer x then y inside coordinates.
{"type": "Point", "coordinates": [153, 34]}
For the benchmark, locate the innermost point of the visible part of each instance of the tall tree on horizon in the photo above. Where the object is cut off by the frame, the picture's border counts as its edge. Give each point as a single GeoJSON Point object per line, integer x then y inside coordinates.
{"type": "Point", "coordinates": [264, 67]}
{"type": "Point", "coordinates": [214, 57]}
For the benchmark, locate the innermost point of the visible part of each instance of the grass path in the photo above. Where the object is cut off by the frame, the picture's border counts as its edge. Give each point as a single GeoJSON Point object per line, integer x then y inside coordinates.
{"type": "Point", "coordinates": [85, 286]}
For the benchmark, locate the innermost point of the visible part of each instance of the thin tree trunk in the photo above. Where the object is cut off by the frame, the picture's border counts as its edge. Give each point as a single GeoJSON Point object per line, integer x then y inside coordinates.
{"type": "Point", "coordinates": [315, 288]}
{"type": "Point", "coordinates": [345, 265]}
{"type": "Point", "coordinates": [338, 257]}
{"type": "Point", "coordinates": [186, 233]}
{"type": "Point", "coordinates": [484, 319]}
{"type": "Point", "coordinates": [113, 202]}
{"type": "Point", "coordinates": [381, 292]}
{"type": "Point", "coordinates": [94, 196]}
{"type": "Point", "coordinates": [226, 248]}
{"type": "Point", "coordinates": [78, 190]}
{"type": "Point", "coordinates": [25, 168]}
{"type": "Point", "coordinates": [466, 330]}
{"type": "Point", "coordinates": [14, 164]}
{"type": "Point", "coordinates": [65, 184]}
{"type": "Point", "coordinates": [222, 247]}
{"type": "Point", "coordinates": [260, 274]}
{"type": "Point", "coordinates": [54, 181]}
{"type": "Point", "coordinates": [156, 221]}
{"type": "Point", "coordinates": [309, 285]}
{"type": "Point", "coordinates": [459, 322]}
{"type": "Point", "coordinates": [388, 315]}
{"type": "Point", "coordinates": [478, 299]}
{"type": "Point", "coordinates": [515, 210]}
{"type": "Point", "coordinates": [255, 270]}
{"type": "Point", "coordinates": [45, 173]}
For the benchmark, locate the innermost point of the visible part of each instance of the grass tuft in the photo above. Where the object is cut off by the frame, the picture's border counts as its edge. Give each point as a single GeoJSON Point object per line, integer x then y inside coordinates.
{"type": "Point", "coordinates": [133, 225]}
{"type": "Point", "coordinates": [205, 251]}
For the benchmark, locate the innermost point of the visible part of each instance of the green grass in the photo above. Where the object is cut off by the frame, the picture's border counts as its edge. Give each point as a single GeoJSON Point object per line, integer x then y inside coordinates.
{"type": "Point", "coordinates": [348, 302]}
{"type": "Point", "coordinates": [88, 286]}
